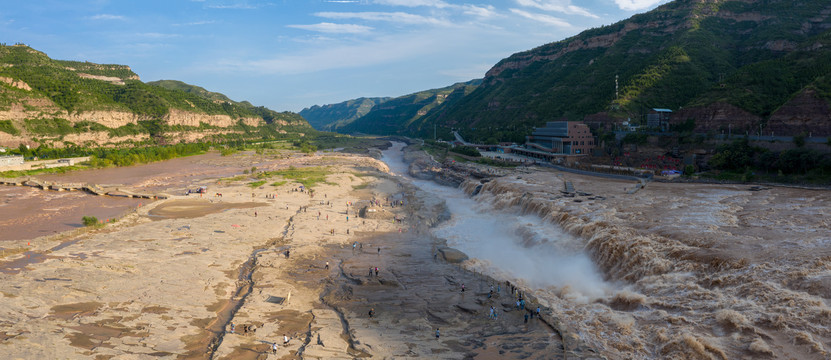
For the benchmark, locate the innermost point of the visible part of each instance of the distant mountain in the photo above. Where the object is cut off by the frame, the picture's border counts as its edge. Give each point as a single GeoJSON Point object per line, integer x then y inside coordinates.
{"type": "Point", "coordinates": [749, 65]}
{"type": "Point", "coordinates": [61, 103]}
{"type": "Point", "coordinates": [333, 116]}
{"type": "Point", "coordinates": [402, 115]}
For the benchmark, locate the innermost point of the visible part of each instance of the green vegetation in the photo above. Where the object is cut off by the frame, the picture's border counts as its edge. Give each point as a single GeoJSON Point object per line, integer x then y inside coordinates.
{"type": "Point", "coordinates": [738, 161]}
{"type": "Point", "coordinates": [304, 146]}
{"type": "Point", "coordinates": [40, 171]}
{"type": "Point", "coordinates": [333, 116]}
{"type": "Point", "coordinates": [466, 150]}
{"type": "Point", "coordinates": [49, 126]}
{"type": "Point", "coordinates": [635, 138]}
{"type": "Point", "coordinates": [680, 55]}
{"type": "Point", "coordinates": [132, 156]}
{"type": "Point", "coordinates": [90, 221]}
{"type": "Point", "coordinates": [256, 184]}
{"type": "Point", "coordinates": [279, 183]}
{"type": "Point", "coordinates": [497, 163]}
{"type": "Point", "coordinates": [7, 127]}
{"type": "Point", "coordinates": [308, 176]}
{"type": "Point", "coordinates": [104, 157]}
{"type": "Point", "coordinates": [68, 85]}
{"type": "Point", "coordinates": [228, 151]}
{"type": "Point", "coordinates": [403, 115]}
{"type": "Point", "coordinates": [348, 144]}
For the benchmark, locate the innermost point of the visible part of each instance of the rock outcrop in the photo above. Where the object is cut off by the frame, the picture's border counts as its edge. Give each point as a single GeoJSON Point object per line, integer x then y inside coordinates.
{"type": "Point", "coordinates": [718, 117]}
{"type": "Point", "coordinates": [805, 114]}
{"type": "Point", "coordinates": [452, 255]}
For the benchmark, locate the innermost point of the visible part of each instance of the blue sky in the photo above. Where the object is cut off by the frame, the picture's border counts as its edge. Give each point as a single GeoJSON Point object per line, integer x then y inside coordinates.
{"type": "Point", "coordinates": [291, 54]}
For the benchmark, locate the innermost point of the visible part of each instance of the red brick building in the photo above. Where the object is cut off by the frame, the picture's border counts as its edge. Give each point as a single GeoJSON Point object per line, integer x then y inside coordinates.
{"type": "Point", "coordinates": [562, 137]}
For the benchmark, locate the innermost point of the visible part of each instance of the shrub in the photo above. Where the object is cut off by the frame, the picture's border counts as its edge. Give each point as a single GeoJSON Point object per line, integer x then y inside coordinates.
{"type": "Point", "coordinates": [90, 220]}
{"type": "Point", "coordinates": [467, 150]}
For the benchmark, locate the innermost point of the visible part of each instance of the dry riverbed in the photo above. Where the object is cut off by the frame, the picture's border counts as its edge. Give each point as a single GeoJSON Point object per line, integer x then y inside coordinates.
{"type": "Point", "coordinates": [169, 280]}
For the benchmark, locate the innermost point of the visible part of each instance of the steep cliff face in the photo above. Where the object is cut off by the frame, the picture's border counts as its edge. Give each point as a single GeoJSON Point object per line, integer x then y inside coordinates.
{"type": "Point", "coordinates": [181, 117]}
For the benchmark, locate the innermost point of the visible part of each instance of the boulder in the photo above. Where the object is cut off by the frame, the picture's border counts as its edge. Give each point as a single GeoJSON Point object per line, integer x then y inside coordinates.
{"type": "Point", "coordinates": [452, 255]}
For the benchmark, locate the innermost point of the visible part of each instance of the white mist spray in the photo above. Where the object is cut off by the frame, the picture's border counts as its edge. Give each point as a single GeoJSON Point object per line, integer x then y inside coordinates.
{"type": "Point", "coordinates": [515, 246]}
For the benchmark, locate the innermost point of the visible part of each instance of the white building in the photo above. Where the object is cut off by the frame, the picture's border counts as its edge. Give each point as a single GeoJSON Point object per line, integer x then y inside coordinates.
{"type": "Point", "coordinates": [11, 160]}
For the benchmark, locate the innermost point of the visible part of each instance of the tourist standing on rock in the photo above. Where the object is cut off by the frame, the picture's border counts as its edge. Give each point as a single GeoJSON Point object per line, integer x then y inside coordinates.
{"type": "Point", "coordinates": [370, 271]}
{"type": "Point", "coordinates": [327, 265]}
{"type": "Point", "coordinates": [233, 327]}
{"type": "Point", "coordinates": [285, 340]}
{"type": "Point", "coordinates": [463, 287]}
{"type": "Point", "coordinates": [376, 271]}
{"type": "Point", "coordinates": [371, 312]}
{"type": "Point", "coordinates": [274, 348]}
{"type": "Point", "coordinates": [437, 333]}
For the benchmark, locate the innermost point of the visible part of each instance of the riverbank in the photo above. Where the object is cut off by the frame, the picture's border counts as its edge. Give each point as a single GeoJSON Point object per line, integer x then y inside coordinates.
{"type": "Point", "coordinates": [168, 280]}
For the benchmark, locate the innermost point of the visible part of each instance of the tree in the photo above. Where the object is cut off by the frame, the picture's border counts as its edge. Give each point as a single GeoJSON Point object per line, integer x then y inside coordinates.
{"type": "Point", "coordinates": [689, 170]}
{"type": "Point", "coordinates": [799, 140]}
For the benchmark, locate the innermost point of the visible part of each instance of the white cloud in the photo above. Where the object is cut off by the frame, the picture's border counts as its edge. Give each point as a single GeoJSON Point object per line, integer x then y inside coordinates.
{"type": "Point", "coordinates": [326, 27]}
{"type": "Point", "coordinates": [634, 5]}
{"type": "Point", "coordinates": [365, 54]}
{"type": "Point", "coordinates": [396, 17]}
{"type": "Point", "coordinates": [547, 19]}
{"type": "Point", "coordinates": [414, 3]}
{"type": "Point", "coordinates": [106, 17]}
{"type": "Point", "coordinates": [479, 11]}
{"type": "Point", "coordinates": [239, 6]}
{"type": "Point", "coordinates": [195, 23]}
{"type": "Point", "coordinates": [562, 6]}
{"type": "Point", "coordinates": [154, 35]}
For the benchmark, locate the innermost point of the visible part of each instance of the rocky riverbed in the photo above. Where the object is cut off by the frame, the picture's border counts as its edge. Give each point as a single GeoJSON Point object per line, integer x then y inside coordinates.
{"type": "Point", "coordinates": [169, 280]}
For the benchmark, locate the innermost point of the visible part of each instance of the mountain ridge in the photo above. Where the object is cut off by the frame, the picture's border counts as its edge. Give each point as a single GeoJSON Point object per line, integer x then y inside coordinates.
{"type": "Point", "coordinates": [69, 103]}
{"type": "Point", "coordinates": [704, 59]}
{"type": "Point", "coordinates": [332, 116]}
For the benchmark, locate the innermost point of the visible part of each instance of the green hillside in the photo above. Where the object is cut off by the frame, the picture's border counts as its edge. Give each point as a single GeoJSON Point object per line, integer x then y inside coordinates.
{"type": "Point", "coordinates": [191, 89]}
{"type": "Point", "coordinates": [333, 116]}
{"type": "Point", "coordinates": [50, 92]}
{"type": "Point", "coordinates": [755, 55]}
{"type": "Point", "coordinates": [402, 115]}
{"type": "Point", "coordinates": [286, 118]}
